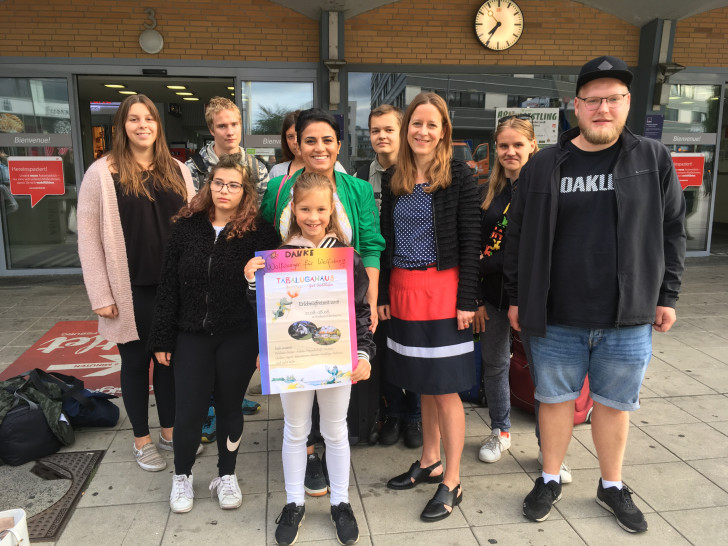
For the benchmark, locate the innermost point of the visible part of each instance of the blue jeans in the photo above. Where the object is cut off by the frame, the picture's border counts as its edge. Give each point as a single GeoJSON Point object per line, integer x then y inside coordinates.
{"type": "Point", "coordinates": [495, 347]}
{"type": "Point", "coordinates": [616, 360]}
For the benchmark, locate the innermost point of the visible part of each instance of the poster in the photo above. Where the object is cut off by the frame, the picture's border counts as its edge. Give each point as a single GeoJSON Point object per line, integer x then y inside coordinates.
{"type": "Point", "coordinates": [545, 122]}
{"type": "Point", "coordinates": [689, 168]}
{"type": "Point", "coordinates": [36, 176]}
{"type": "Point", "coordinates": [306, 321]}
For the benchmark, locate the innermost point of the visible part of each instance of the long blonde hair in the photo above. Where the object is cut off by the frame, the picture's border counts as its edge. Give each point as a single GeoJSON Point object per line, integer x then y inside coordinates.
{"type": "Point", "coordinates": [438, 172]}
{"type": "Point", "coordinates": [132, 175]}
{"type": "Point", "coordinates": [497, 179]}
{"type": "Point", "coordinates": [309, 181]}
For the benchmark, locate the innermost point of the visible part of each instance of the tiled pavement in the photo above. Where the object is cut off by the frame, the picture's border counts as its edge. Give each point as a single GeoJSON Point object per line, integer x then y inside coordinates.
{"type": "Point", "coordinates": [676, 461]}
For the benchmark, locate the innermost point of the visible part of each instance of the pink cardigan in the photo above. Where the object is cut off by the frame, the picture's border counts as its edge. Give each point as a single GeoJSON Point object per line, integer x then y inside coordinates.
{"type": "Point", "coordinates": [102, 250]}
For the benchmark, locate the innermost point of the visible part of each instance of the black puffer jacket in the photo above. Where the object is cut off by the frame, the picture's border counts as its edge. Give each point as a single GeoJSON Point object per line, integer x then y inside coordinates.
{"type": "Point", "coordinates": [203, 286]}
{"type": "Point", "coordinates": [457, 233]}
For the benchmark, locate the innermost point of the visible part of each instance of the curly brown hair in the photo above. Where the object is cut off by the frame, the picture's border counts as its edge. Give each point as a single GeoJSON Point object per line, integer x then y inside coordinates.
{"type": "Point", "coordinates": [244, 220]}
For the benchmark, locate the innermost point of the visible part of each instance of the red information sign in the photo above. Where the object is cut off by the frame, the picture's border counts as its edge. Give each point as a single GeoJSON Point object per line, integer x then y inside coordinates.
{"type": "Point", "coordinates": [689, 169]}
{"type": "Point", "coordinates": [74, 348]}
{"type": "Point", "coordinates": [36, 176]}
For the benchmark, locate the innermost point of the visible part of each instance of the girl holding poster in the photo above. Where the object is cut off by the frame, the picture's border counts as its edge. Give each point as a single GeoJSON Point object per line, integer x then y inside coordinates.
{"type": "Point", "coordinates": [429, 290]}
{"type": "Point", "coordinates": [204, 325]}
{"type": "Point", "coordinates": [313, 224]}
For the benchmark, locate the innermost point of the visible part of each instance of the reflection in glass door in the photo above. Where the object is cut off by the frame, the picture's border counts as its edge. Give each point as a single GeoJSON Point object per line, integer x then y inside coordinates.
{"type": "Point", "coordinates": [265, 104]}
{"type": "Point", "coordinates": [37, 179]}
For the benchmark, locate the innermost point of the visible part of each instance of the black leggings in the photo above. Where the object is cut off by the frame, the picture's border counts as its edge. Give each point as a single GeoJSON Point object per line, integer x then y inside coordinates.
{"type": "Point", "coordinates": [221, 365]}
{"type": "Point", "coordinates": [135, 360]}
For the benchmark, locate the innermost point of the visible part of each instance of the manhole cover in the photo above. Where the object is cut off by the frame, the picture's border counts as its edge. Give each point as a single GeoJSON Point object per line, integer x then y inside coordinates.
{"type": "Point", "coordinates": [76, 466]}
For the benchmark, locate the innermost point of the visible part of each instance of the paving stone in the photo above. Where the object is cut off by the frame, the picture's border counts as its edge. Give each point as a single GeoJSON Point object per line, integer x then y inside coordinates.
{"type": "Point", "coordinates": [701, 526]}
{"type": "Point", "coordinates": [673, 486]}
{"type": "Point", "coordinates": [691, 442]}
{"type": "Point", "coordinates": [605, 531]}
{"type": "Point", "coordinates": [516, 534]}
{"type": "Point", "coordinates": [659, 411]}
{"type": "Point", "coordinates": [666, 380]}
{"type": "Point", "coordinates": [490, 500]}
{"type": "Point", "coordinates": [641, 447]}
{"type": "Point", "coordinates": [721, 426]}
{"type": "Point", "coordinates": [451, 537]}
{"type": "Point", "coordinates": [716, 470]}
{"type": "Point", "coordinates": [470, 465]}
{"type": "Point", "coordinates": [707, 408]}
{"type": "Point", "coordinates": [377, 464]}
{"type": "Point", "coordinates": [474, 424]}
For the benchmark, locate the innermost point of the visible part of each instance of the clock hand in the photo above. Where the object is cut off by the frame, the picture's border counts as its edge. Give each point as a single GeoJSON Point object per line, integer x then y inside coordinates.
{"type": "Point", "coordinates": [490, 34]}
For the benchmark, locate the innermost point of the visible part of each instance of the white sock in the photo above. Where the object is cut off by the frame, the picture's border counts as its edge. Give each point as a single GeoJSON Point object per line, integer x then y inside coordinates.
{"type": "Point", "coordinates": [607, 484]}
{"type": "Point", "coordinates": [550, 477]}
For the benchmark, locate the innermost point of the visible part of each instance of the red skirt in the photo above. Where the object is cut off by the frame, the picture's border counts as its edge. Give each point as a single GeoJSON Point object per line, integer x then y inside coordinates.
{"type": "Point", "coordinates": [426, 352]}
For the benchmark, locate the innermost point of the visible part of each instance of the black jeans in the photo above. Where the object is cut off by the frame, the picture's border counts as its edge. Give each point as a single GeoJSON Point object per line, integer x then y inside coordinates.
{"type": "Point", "coordinates": [206, 364]}
{"type": "Point", "coordinates": [135, 360]}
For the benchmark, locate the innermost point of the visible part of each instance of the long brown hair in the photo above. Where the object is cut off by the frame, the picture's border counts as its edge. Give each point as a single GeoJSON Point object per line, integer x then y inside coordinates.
{"type": "Point", "coordinates": [244, 219]}
{"type": "Point", "coordinates": [497, 179]}
{"type": "Point", "coordinates": [308, 181]}
{"type": "Point", "coordinates": [132, 175]}
{"type": "Point", "coordinates": [438, 173]}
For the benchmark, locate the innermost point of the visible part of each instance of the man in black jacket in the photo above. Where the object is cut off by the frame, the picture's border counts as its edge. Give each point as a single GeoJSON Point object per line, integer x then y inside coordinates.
{"type": "Point", "coordinates": [595, 252]}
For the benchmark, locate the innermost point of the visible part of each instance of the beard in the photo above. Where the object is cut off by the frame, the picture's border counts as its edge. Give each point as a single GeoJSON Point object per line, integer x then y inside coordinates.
{"type": "Point", "coordinates": [606, 135]}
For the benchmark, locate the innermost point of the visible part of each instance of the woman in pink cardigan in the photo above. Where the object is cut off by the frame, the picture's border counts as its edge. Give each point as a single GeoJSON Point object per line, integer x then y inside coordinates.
{"type": "Point", "coordinates": [125, 205]}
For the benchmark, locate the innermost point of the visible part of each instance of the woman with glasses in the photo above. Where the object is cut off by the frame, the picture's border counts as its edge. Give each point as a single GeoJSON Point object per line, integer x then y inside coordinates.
{"type": "Point", "coordinates": [204, 325]}
{"type": "Point", "coordinates": [126, 201]}
{"type": "Point", "coordinates": [515, 144]}
{"type": "Point", "coordinates": [429, 291]}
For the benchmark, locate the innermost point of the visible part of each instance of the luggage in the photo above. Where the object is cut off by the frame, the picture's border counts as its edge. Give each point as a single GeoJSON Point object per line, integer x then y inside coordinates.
{"type": "Point", "coordinates": [476, 393]}
{"type": "Point", "coordinates": [522, 389]}
{"type": "Point", "coordinates": [24, 433]}
{"type": "Point", "coordinates": [364, 418]}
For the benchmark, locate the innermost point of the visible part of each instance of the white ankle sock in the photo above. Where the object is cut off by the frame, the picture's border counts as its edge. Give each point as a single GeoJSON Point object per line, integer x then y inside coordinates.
{"type": "Point", "coordinates": [550, 477]}
{"type": "Point", "coordinates": [607, 484]}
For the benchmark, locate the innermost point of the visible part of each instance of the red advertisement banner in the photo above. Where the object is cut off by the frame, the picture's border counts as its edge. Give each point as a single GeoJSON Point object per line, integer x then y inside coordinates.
{"type": "Point", "coordinates": [36, 176]}
{"type": "Point", "coordinates": [689, 169]}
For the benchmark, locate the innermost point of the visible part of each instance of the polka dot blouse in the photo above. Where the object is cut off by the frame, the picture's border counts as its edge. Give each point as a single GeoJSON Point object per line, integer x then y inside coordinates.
{"type": "Point", "coordinates": [414, 230]}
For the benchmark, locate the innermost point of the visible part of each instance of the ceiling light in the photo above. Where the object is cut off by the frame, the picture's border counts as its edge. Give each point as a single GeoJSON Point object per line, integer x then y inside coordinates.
{"type": "Point", "coordinates": [183, 93]}
{"type": "Point", "coordinates": [231, 89]}
{"type": "Point", "coordinates": [190, 98]}
{"type": "Point", "coordinates": [114, 85]}
{"type": "Point", "coordinates": [176, 87]}
{"type": "Point", "coordinates": [128, 92]}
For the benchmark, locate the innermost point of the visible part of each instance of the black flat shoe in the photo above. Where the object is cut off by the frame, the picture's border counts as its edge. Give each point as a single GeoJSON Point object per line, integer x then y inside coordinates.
{"type": "Point", "coordinates": [416, 473]}
{"type": "Point", "coordinates": [435, 509]}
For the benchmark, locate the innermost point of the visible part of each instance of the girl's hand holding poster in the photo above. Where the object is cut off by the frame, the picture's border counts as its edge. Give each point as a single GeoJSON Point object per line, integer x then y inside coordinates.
{"type": "Point", "coordinates": [306, 324]}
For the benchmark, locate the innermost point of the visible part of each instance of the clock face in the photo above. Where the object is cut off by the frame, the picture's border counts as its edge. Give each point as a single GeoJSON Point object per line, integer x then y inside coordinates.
{"type": "Point", "coordinates": [499, 24]}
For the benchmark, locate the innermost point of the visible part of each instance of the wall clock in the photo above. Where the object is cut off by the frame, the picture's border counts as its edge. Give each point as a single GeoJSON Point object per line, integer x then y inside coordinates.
{"type": "Point", "coordinates": [499, 24]}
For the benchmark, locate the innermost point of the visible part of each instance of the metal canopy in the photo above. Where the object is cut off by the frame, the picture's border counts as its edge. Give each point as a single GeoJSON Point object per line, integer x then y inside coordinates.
{"type": "Point", "coordinates": [636, 13]}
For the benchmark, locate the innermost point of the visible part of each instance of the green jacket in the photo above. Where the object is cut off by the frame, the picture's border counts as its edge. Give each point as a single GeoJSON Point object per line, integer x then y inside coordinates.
{"type": "Point", "coordinates": [356, 197]}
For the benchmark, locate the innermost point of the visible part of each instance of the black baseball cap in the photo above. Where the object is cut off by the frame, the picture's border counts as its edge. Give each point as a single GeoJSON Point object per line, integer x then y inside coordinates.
{"type": "Point", "coordinates": [604, 67]}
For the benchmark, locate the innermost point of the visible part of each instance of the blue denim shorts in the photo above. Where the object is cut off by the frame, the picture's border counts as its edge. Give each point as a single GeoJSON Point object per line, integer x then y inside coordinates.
{"type": "Point", "coordinates": [616, 360]}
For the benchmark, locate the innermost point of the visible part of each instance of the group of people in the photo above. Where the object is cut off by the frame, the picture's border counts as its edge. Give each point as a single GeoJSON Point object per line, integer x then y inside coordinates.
{"type": "Point", "coordinates": [580, 247]}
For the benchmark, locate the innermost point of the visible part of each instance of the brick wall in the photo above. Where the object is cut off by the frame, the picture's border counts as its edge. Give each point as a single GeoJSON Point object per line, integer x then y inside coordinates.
{"type": "Point", "coordinates": [702, 40]}
{"type": "Point", "coordinates": [556, 32]}
{"type": "Point", "coordinates": [248, 30]}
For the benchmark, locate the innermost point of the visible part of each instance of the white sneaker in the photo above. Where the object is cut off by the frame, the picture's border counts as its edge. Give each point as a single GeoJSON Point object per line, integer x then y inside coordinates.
{"type": "Point", "coordinates": [493, 446]}
{"type": "Point", "coordinates": [182, 496]}
{"type": "Point", "coordinates": [564, 471]}
{"type": "Point", "coordinates": [168, 445]}
{"type": "Point", "coordinates": [228, 492]}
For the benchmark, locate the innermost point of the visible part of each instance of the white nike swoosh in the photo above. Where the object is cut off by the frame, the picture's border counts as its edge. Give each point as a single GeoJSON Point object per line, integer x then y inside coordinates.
{"type": "Point", "coordinates": [232, 446]}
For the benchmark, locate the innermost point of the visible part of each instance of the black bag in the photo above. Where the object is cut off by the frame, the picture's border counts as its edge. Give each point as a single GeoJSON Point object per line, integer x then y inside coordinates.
{"type": "Point", "coordinates": [83, 407]}
{"type": "Point", "coordinates": [476, 393]}
{"type": "Point", "coordinates": [24, 433]}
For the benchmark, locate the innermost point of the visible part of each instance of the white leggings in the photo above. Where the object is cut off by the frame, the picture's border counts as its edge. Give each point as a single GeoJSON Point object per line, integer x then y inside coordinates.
{"type": "Point", "coordinates": [333, 405]}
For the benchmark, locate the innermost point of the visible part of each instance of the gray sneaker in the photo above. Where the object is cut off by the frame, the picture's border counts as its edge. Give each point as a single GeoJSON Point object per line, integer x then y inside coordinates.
{"type": "Point", "coordinates": [149, 458]}
{"type": "Point", "coordinates": [168, 445]}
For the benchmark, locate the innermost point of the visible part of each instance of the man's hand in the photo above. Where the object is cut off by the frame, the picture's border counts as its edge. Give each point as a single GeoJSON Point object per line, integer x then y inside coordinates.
{"type": "Point", "coordinates": [110, 311]}
{"type": "Point", "coordinates": [513, 317]}
{"type": "Point", "coordinates": [163, 358]}
{"type": "Point", "coordinates": [665, 317]}
{"type": "Point", "coordinates": [481, 315]}
{"type": "Point", "coordinates": [362, 372]}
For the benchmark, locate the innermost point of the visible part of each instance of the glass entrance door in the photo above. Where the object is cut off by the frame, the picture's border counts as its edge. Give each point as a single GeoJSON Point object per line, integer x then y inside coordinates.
{"type": "Point", "coordinates": [37, 179]}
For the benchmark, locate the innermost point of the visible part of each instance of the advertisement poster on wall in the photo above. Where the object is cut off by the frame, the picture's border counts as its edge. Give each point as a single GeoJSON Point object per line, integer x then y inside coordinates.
{"type": "Point", "coordinates": [306, 324]}
{"type": "Point", "coordinates": [545, 122]}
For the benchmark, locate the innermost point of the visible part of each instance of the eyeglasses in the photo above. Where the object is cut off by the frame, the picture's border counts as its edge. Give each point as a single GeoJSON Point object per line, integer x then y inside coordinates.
{"type": "Point", "coordinates": [232, 187]}
{"type": "Point", "coordinates": [524, 117]}
{"type": "Point", "coordinates": [613, 101]}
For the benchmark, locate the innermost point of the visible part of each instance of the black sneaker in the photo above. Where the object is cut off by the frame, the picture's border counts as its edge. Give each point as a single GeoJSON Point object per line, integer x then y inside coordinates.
{"type": "Point", "coordinates": [347, 531]}
{"type": "Point", "coordinates": [289, 521]}
{"type": "Point", "coordinates": [619, 502]}
{"type": "Point", "coordinates": [314, 483]}
{"type": "Point", "coordinates": [391, 430]}
{"type": "Point", "coordinates": [537, 504]}
{"type": "Point", "coordinates": [413, 435]}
